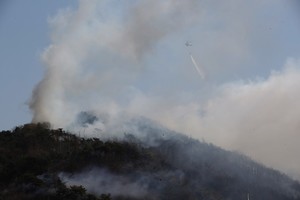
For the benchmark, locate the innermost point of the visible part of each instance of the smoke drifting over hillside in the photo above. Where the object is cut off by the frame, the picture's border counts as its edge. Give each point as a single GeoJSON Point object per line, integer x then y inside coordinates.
{"type": "Point", "coordinates": [126, 59]}
{"type": "Point", "coordinates": [98, 181]}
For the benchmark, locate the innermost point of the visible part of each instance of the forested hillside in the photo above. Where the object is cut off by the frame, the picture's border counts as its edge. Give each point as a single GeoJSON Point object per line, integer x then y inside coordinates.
{"type": "Point", "coordinates": [37, 162]}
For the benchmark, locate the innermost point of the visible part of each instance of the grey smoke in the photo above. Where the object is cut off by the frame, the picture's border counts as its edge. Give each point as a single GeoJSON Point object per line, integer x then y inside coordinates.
{"type": "Point", "coordinates": [123, 59]}
{"type": "Point", "coordinates": [72, 67]}
{"type": "Point", "coordinates": [86, 118]}
{"type": "Point", "coordinates": [100, 181]}
{"type": "Point", "coordinates": [150, 21]}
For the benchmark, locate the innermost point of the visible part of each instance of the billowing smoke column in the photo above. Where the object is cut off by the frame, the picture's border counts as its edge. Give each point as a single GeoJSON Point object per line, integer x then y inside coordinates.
{"type": "Point", "coordinates": [94, 51]}
{"type": "Point", "coordinates": [119, 59]}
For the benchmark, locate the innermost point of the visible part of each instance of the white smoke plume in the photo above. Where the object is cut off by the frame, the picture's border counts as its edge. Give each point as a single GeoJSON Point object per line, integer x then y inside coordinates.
{"type": "Point", "coordinates": [91, 50]}
{"type": "Point", "coordinates": [121, 59]}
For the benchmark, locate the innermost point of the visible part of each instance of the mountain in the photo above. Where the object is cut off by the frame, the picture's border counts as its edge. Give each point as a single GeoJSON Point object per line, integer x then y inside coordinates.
{"type": "Point", "coordinates": [37, 162]}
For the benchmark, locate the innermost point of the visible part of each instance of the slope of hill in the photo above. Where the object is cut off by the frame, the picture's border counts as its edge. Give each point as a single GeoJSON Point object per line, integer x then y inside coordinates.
{"type": "Point", "coordinates": [39, 163]}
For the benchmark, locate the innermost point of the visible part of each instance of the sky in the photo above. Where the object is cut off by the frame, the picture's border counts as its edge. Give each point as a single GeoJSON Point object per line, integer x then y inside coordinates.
{"type": "Point", "coordinates": [128, 58]}
{"type": "Point", "coordinates": [24, 34]}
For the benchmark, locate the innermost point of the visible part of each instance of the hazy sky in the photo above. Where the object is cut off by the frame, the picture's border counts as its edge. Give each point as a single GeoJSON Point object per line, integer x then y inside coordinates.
{"type": "Point", "coordinates": [130, 56]}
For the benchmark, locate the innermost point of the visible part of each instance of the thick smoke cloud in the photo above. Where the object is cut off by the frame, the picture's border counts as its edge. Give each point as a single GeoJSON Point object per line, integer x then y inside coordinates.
{"type": "Point", "coordinates": [259, 118]}
{"type": "Point", "coordinates": [120, 60]}
{"type": "Point", "coordinates": [81, 37]}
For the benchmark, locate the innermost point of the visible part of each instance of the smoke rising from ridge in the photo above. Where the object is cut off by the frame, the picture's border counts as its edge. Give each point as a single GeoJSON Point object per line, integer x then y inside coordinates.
{"type": "Point", "coordinates": [122, 60]}
{"type": "Point", "coordinates": [77, 35]}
